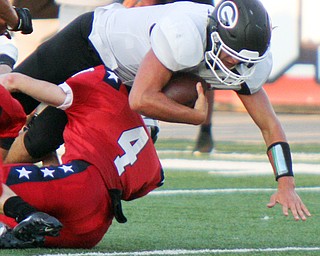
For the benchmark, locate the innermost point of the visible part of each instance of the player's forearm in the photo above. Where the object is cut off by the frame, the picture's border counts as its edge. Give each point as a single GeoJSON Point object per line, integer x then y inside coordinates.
{"type": "Point", "coordinates": [8, 13]}
{"type": "Point", "coordinates": [160, 107]}
{"type": "Point", "coordinates": [146, 96]}
{"type": "Point", "coordinates": [42, 91]}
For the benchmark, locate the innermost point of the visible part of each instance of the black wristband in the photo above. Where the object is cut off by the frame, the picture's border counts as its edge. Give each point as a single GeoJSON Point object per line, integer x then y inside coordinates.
{"type": "Point", "coordinates": [280, 159]}
{"type": "Point", "coordinates": [25, 21]}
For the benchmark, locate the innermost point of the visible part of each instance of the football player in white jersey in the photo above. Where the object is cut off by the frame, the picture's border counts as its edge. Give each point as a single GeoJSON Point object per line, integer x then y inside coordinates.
{"type": "Point", "coordinates": [227, 45]}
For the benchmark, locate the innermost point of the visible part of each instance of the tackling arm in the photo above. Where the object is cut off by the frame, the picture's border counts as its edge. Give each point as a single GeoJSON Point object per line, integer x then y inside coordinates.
{"type": "Point", "coordinates": [42, 91]}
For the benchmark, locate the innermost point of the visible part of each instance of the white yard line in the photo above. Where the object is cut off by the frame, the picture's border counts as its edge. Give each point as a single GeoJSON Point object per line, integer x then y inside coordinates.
{"type": "Point", "coordinates": [225, 191]}
{"type": "Point", "coordinates": [190, 252]}
{"type": "Point", "coordinates": [233, 167]}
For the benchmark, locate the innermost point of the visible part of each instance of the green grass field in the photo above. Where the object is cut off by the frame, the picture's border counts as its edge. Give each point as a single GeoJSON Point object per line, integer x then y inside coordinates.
{"type": "Point", "coordinates": [198, 213]}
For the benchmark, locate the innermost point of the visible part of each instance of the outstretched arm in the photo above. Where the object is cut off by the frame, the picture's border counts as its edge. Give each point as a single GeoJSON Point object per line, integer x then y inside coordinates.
{"type": "Point", "coordinates": [261, 111]}
{"type": "Point", "coordinates": [42, 91]}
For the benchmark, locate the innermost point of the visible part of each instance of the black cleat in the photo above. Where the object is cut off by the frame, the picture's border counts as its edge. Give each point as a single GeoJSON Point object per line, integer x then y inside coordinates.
{"type": "Point", "coordinates": [204, 142]}
{"type": "Point", "coordinates": [9, 241]}
{"type": "Point", "coordinates": [37, 224]}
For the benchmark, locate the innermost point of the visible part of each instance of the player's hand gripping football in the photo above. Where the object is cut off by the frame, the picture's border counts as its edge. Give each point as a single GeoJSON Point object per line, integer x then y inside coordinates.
{"type": "Point", "coordinates": [201, 104]}
{"type": "Point", "coordinates": [289, 199]}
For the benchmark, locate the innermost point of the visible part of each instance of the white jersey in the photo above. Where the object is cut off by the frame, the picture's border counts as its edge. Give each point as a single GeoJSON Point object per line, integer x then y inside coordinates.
{"type": "Point", "coordinates": [177, 34]}
{"type": "Point", "coordinates": [8, 48]}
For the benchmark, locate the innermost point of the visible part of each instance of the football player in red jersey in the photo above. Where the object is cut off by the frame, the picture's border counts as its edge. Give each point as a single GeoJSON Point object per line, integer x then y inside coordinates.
{"type": "Point", "coordinates": [12, 118]}
{"type": "Point", "coordinates": [107, 147]}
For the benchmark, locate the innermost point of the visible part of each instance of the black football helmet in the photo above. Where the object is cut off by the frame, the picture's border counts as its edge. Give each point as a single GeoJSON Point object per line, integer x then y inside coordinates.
{"type": "Point", "coordinates": [242, 29]}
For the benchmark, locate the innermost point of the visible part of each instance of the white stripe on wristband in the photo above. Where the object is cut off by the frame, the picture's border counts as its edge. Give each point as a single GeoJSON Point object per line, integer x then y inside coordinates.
{"type": "Point", "coordinates": [280, 159]}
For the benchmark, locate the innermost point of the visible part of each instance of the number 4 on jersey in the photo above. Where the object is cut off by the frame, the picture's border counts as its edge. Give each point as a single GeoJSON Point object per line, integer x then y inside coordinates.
{"type": "Point", "coordinates": [132, 142]}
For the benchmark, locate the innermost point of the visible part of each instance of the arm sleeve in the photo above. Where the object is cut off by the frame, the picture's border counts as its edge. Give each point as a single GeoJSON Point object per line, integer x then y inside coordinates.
{"type": "Point", "coordinates": [69, 98]}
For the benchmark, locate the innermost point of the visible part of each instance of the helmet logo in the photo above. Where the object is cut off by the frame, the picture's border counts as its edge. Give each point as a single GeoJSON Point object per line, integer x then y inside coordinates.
{"type": "Point", "coordinates": [227, 14]}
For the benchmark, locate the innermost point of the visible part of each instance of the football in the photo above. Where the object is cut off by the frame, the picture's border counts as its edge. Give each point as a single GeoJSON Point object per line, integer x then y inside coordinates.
{"type": "Point", "coordinates": [182, 88]}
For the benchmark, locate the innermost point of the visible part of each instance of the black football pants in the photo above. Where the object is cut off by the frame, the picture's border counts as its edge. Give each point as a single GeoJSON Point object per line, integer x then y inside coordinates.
{"type": "Point", "coordinates": [57, 59]}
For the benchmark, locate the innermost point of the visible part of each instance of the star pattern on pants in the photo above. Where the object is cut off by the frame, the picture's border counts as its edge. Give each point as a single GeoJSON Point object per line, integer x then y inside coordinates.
{"type": "Point", "coordinates": [47, 172]}
{"type": "Point", "coordinates": [34, 173]}
{"type": "Point", "coordinates": [66, 168]}
{"type": "Point", "coordinates": [23, 172]}
{"type": "Point", "coordinates": [26, 171]}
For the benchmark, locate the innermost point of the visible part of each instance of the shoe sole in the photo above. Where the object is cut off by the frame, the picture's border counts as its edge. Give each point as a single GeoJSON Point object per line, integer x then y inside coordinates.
{"type": "Point", "coordinates": [38, 227]}
{"type": "Point", "coordinates": [9, 241]}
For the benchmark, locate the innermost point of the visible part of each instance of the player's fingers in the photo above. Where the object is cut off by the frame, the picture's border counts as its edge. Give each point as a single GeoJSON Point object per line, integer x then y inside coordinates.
{"type": "Point", "coordinates": [302, 215]}
{"type": "Point", "coordinates": [200, 90]}
{"type": "Point", "coordinates": [272, 201]}
{"type": "Point", "coordinates": [305, 210]}
{"type": "Point", "coordinates": [296, 212]}
{"type": "Point", "coordinates": [285, 211]}
{"type": "Point", "coordinates": [201, 103]}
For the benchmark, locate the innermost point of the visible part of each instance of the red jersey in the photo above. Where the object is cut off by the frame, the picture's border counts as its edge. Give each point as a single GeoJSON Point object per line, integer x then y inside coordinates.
{"type": "Point", "coordinates": [12, 116]}
{"type": "Point", "coordinates": [104, 131]}
{"type": "Point", "coordinates": [106, 147]}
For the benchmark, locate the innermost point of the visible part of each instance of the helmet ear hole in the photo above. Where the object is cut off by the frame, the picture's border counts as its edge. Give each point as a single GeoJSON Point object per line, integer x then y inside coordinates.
{"type": "Point", "coordinates": [212, 23]}
{"type": "Point", "coordinates": [212, 27]}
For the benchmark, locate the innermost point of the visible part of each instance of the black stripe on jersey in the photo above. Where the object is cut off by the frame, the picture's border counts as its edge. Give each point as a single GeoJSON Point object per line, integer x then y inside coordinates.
{"type": "Point", "coordinates": [152, 26]}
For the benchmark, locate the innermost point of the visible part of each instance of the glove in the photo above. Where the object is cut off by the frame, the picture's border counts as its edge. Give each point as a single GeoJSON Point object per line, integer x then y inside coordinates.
{"type": "Point", "coordinates": [25, 21]}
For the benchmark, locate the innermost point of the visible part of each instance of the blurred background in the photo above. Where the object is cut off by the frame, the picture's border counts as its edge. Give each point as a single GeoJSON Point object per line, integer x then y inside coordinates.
{"type": "Point", "coordinates": [294, 82]}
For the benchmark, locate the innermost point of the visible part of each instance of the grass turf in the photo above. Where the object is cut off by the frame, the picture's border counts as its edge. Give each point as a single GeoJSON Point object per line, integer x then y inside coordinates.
{"type": "Point", "coordinates": [209, 221]}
